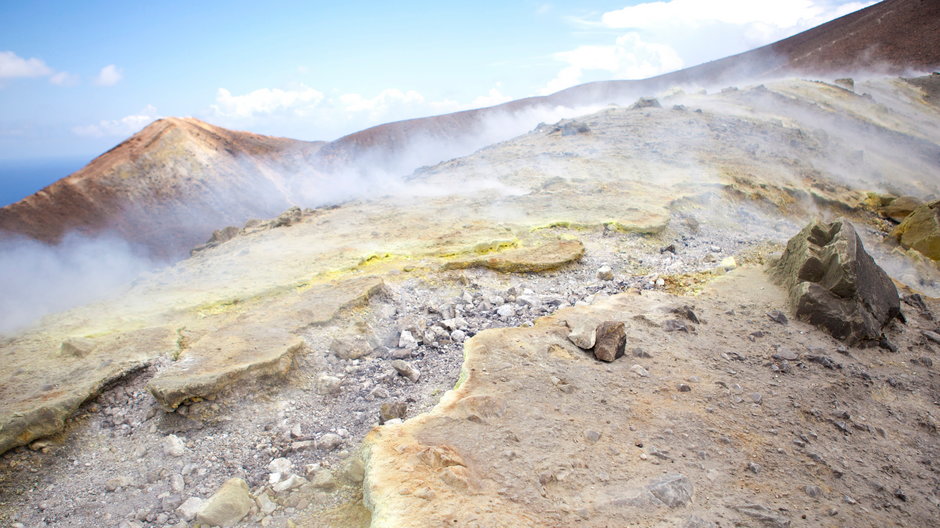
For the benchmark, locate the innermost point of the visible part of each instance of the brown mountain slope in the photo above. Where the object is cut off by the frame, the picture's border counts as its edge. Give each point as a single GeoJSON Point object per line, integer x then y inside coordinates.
{"type": "Point", "coordinates": [174, 182]}
{"type": "Point", "coordinates": [165, 187]}
{"type": "Point", "coordinates": [893, 36]}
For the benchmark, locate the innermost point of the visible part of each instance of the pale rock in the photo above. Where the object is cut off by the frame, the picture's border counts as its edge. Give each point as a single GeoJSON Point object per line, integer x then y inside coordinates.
{"type": "Point", "coordinates": [327, 384]}
{"type": "Point", "coordinates": [291, 482]}
{"type": "Point", "coordinates": [190, 507]}
{"type": "Point", "coordinates": [228, 505]}
{"type": "Point", "coordinates": [177, 484]}
{"type": "Point", "coordinates": [583, 336]}
{"type": "Point", "coordinates": [406, 369]}
{"type": "Point", "coordinates": [173, 446]}
{"type": "Point", "coordinates": [505, 311]}
{"type": "Point", "coordinates": [605, 273]}
{"type": "Point", "coordinates": [280, 465]}
{"type": "Point", "coordinates": [265, 505]}
{"type": "Point", "coordinates": [407, 340]}
{"type": "Point", "coordinates": [458, 336]}
{"type": "Point", "coordinates": [639, 371]}
{"type": "Point", "coordinates": [324, 480]}
{"type": "Point", "coordinates": [329, 441]}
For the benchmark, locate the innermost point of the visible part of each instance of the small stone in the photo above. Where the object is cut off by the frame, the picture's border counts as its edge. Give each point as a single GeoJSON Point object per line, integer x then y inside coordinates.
{"type": "Point", "coordinates": [350, 347]}
{"type": "Point", "coordinates": [391, 410]}
{"type": "Point", "coordinates": [177, 483]}
{"type": "Point", "coordinates": [506, 311]}
{"type": "Point", "coordinates": [592, 436]}
{"type": "Point", "coordinates": [639, 371]}
{"type": "Point", "coordinates": [228, 505]}
{"type": "Point", "coordinates": [173, 446]}
{"type": "Point", "coordinates": [329, 441]}
{"type": "Point", "coordinates": [754, 467]}
{"type": "Point", "coordinates": [407, 340]}
{"type": "Point", "coordinates": [280, 465]}
{"type": "Point", "coordinates": [778, 317]}
{"type": "Point", "coordinates": [812, 491]}
{"type": "Point", "coordinates": [265, 505]}
{"type": "Point", "coordinates": [932, 336]}
{"type": "Point", "coordinates": [303, 444]}
{"type": "Point", "coordinates": [458, 336]}
{"type": "Point", "coordinates": [291, 482]}
{"type": "Point", "coordinates": [675, 325]}
{"type": "Point", "coordinates": [354, 471]}
{"type": "Point", "coordinates": [672, 490]}
{"type": "Point", "coordinates": [187, 511]}
{"type": "Point", "coordinates": [610, 341]}
{"type": "Point", "coordinates": [379, 393]}
{"type": "Point", "coordinates": [324, 480]}
{"type": "Point", "coordinates": [786, 354]}
{"type": "Point", "coordinates": [116, 483]}
{"type": "Point", "coordinates": [684, 387]}
{"type": "Point", "coordinates": [327, 384]}
{"type": "Point", "coordinates": [756, 397]}
{"type": "Point", "coordinates": [406, 369]}
{"type": "Point", "coordinates": [605, 273]}
{"type": "Point", "coordinates": [583, 336]}
{"type": "Point", "coordinates": [296, 431]}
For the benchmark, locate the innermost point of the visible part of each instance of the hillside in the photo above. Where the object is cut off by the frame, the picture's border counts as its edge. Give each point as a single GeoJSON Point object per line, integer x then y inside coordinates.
{"type": "Point", "coordinates": [166, 187]}
{"type": "Point", "coordinates": [171, 185]}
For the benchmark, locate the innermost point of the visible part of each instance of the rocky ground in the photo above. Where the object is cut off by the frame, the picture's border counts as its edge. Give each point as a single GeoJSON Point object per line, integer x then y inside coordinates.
{"type": "Point", "coordinates": [273, 355]}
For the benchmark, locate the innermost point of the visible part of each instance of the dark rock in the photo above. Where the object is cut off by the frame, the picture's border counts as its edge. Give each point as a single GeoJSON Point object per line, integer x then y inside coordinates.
{"type": "Point", "coordinates": [572, 129]}
{"type": "Point", "coordinates": [640, 353]}
{"type": "Point", "coordinates": [610, 342]}
{"type": "Point", "coordinates": [932, 336]}
{"type": "Point", "coordinates": [671, 248]}
{"type": "Point", "coordinates": [391, 410]}
{"type": "Point", "coordinates": [925, 361]}
{"type": "Point", "coordinates": [778, 317]}
{"type": "Point", "coordinates": [825, 361]}
{"type": "Point", "coordinates": [835, 285]}
{"type": "Point", "coordinates": [675, 325]}
{"type": "Point", "coordinates": [684, 387]}
{"type": "Point", "coordinates": [886, 344]}
{"type": "Point", "coordinates": [672, 490]}
{"type": "Point", "coordinates": [687, 312]}
{"type": "Point", "coordinates": [916, 301]}
{"type": "Point", "coordinates": [288, 217]}
{"type": "Point", "coordinates": [646, 102]}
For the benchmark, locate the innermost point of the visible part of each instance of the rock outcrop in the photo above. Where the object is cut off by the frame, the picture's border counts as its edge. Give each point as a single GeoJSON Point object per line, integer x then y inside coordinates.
{"type": "Point", "coordinates": [920, 231]}
{"type": "Point", "coordinates": [835, 285]}
{"type": "Point", "coordinates": [543, 257]}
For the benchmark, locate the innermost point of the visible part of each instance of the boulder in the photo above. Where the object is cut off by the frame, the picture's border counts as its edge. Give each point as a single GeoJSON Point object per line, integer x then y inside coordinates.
{"type": "Point", "coordinates": [900, 208]}
{"type": "Point", "coordinates": [834, 284]}
{"type": "Point", "coordinates": [921, 230]}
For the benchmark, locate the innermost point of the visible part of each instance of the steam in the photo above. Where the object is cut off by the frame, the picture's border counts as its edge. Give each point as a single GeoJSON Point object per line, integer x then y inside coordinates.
{"type": "Point", "coordinates": [37, 279]}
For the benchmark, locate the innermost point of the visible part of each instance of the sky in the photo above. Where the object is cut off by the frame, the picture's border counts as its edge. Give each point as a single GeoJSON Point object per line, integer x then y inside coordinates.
{"type": "Point", "coordinates": [77, 78]}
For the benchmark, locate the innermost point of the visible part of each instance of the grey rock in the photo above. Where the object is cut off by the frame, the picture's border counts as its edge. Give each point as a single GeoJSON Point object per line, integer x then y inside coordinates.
{"type": "Point", "coordinates": [754, 467]}
{"type": "Point", "coordinates": [407, 340]}
{"type": "Point", "coordinates": [812, 491]}
{"type": "Point", "coordinates": [764, 515]}
{"type": "Point", "coordinates": [640, 371]}
{"type": "Point", "coordinates": [280, 465]}
{"type": "Point", "coordinates": [406, 369]}
{"type": "Point", "coordinates": [592, 436]}
{"type": "Point", "coordinates": [684, 387]}
{"type": "Point", "coordinates": [610, 341]}
{"type": "Point", "coordinates": [190, 507]}
{"type": "Point", "coordinates": [291, 482]}
{"type": "Point", "coordinates": [674, 491]}
{"type": "Point", "coordinates": [458, 336]}
{"type": "Point", "coordinates": [675, 325]}
{"type": "Point", "coordinates": [835, 285]}
{"type": "Point", "coordinates": [778, 317]}
{"type": "Point", "coordinates": [506, 311]}
{"type": "Point", "coordinates": [327, 384]}
{"type": "Point", "coordinates": [932, 336]}
{"type": "Point", "coordinates": [605, 273]}
{"type": "Point", "coordinates": [696, 522]}
{"type": "Point", "coordinates": [329, 441]}
{"type": "Point", "coordinates": [350, 347]}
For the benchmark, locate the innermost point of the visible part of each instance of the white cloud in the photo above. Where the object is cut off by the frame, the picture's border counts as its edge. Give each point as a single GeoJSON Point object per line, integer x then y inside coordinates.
{"type": "Point", "coordinates": [122, 127]}
{"type": "Point", "coordinates": [630, 57]}
{"type": "Point", "coordinates": [64, 79]}
{"type": "Point", "coordinates": [266, 101]}
{"type": "Point", "coordinates": [494, 97]}
{"type": "Point", "coordinates": [387, 101]}
{"type": "Point", "coordinates": [109, 76]}
{"type": "Point", "coordinates": [12, 65]}
{"type": "Point", "coordinates": [667, 35]}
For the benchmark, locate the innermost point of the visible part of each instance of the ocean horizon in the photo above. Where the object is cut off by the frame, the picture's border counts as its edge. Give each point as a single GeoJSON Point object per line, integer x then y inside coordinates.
{"type": "Point", "coordinates": [20, 178]}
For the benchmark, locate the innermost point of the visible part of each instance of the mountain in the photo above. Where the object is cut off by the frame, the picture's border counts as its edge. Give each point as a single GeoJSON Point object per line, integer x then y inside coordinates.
{"type": "Point", "coordinates": [169, 186]}
{"type": "Point", "coordinates": [166, 187]}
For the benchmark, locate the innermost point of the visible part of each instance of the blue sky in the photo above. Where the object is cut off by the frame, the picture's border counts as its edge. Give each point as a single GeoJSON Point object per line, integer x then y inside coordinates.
{"type": "Point", "coordinates": [76, 78]}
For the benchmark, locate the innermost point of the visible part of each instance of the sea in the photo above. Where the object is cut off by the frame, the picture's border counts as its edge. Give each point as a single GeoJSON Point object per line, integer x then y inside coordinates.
{"type": "Point", "coordinates": [22, 177]}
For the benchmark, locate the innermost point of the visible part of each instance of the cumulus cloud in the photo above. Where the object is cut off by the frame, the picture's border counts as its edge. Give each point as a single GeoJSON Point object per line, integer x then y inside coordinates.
{"type": "Point", "coordinates": [13, 66]}
{"type": "Point", "coordinates": [109, 76]}
{"type": "Point", "coordinates": [124, 126]}
{"type": "Point", "coordinates": [266, 101]}
{"type": "Point", "coordinates": [664, 36]}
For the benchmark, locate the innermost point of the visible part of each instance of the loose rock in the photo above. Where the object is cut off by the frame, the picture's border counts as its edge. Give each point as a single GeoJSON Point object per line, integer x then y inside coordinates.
{"type": "Point", "coordinates": [228, 505]}
{"type": "Point", "coordinates": [611, 341]}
